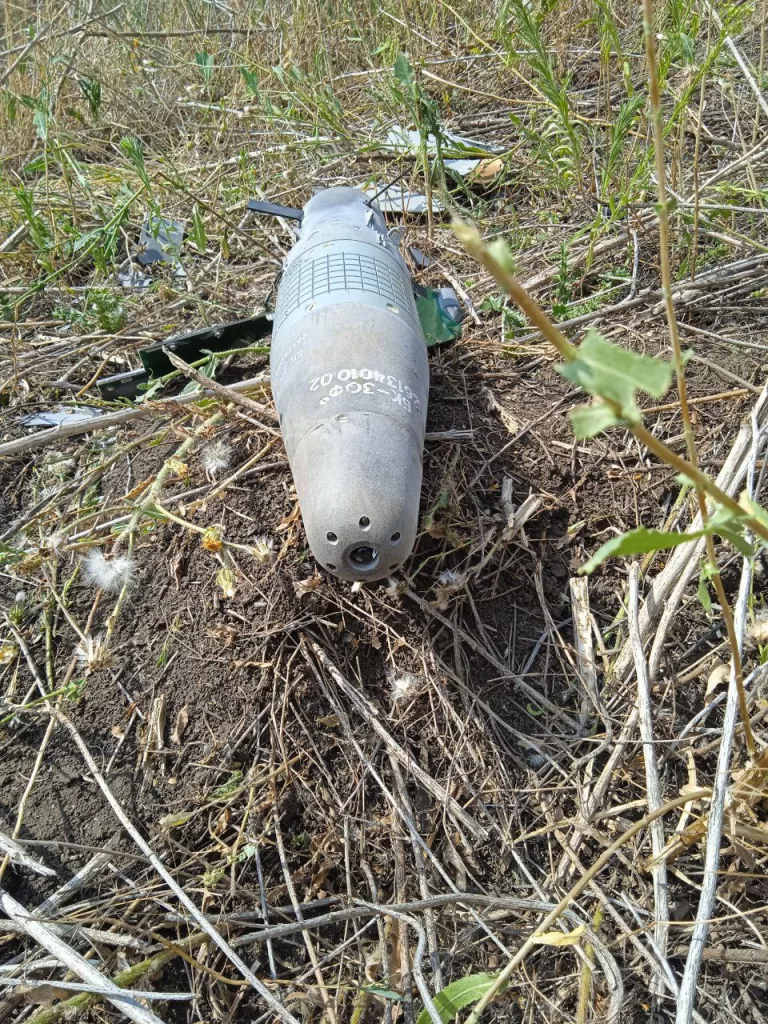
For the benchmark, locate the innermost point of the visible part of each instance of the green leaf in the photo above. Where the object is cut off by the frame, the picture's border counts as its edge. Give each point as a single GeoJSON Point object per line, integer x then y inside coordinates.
{"type": "Point", "coordinates": [731, 526]}
{"type": "Point", "coordinates": [229, 787]}
{"type": "Point", "coordinates": [251, 81]}
{"type": "Point", "coordinates": [589, 420]}
{"type": "Point", "coordinates": [639, 542]}
{"type": "Point", "coordinates": [197, 231]}
{"type": "Point", "coordinates": [615, 373]}
{"type": "Point", "coordinates": [457, 995]}
{"type": "Point", "coordinates": [702, 593]}
{"type": "Point", "coordinates": [86, 240]}
{"type": "Point", "coordinates": [383, 993]}
{"type": "Point", "coordinates": [724, 523]}
{"type": "Point", "coordinates": [756, 511]}
{"type": "Point", "coordinates": [134, 150]}
{"type": "Point", "coordinates": [204, 61]}
{"type": "Point", "coordinates": [40, 121]}
{"type": "Point", "coordinates": [91, 89]}
{"type": "Point", "coordinates": [403, 71]}
{"type": "Point", "coordinates": [707, 572]}
{"type": "Point", "coordinates": [150, 389]}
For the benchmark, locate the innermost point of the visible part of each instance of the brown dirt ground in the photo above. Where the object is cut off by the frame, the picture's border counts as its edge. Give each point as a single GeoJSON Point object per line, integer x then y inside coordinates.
{"type": "Point", "coordinates": [220, 660]}
{"type": "Point", "coordinates": [180, 639]}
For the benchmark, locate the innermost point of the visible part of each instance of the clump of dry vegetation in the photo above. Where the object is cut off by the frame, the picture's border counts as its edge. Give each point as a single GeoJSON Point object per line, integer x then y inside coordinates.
{"type": "Point", "coordinates": [233, 788]}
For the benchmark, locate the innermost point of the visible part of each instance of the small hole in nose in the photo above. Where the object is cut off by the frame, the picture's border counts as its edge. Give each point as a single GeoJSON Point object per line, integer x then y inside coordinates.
{"type": "Point", "coordinates": [364, 558]}
{"type": "Point", "coordinates": [395, 566]}
{"type": "Point", "coordinates": [395, 537]}
{"type": "Point", "coordinates": [331, 566]}
{"type": "Point", "coordinates": [365, 522]}
{"type": "Point", "coordinates": [331, 536]}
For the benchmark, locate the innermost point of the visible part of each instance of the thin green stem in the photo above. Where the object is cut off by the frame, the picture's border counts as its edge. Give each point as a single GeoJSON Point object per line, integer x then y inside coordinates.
{"type": "Point", "coordinates": [677, 351]}
{"type": "Point", "coordinates": [470, 239]}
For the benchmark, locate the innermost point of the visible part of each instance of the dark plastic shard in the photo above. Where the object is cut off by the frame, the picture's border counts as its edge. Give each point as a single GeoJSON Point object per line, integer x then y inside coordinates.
{"type": "Point", "coordinates": [189, 346]}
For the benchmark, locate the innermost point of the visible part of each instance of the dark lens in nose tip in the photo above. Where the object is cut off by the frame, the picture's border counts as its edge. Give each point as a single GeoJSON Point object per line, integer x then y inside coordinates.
{"type": "Point", "coordinates": [364, 557]}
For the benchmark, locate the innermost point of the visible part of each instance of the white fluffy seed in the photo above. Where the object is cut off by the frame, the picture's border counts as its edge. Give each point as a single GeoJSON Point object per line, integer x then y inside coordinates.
{"type": "Point", "coordinates": [215, 457]}
{"type": "Point", "coordinates": [403, 684]}
{"type": "Point", "coordinates": [108, 574]}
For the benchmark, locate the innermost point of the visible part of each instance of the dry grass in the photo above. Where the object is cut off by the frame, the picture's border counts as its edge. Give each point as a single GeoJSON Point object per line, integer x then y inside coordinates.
{"type": "Point", "coordinates": [272, 794]}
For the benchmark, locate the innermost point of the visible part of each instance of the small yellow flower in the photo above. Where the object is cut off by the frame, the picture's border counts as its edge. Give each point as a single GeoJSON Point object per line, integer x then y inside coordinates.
{"type": "Point", "coordinates": [212, 540]}
{"type": "Point", "coordinates": [8, 652]}
{"type": "Point", "coordinates": [181, 469]}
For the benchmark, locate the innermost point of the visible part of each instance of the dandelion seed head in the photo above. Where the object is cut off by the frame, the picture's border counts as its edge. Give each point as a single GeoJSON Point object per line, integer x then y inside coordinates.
{"type": "Point", "coordinates": [759, 628]}
{"type": "Point", "coordinates": [395, 588]}
{"type": "Point", "coordinates": [402, 685]}
{"type": "Point", "coordinates": [448, 583]}
{"type": "Point", "coordinates": [215, 457]}
{"type": "Point", "coordinates": [450, 578]}
{"type": "Point", "coordinates": [54, 543]}
{"type": "Point", "coordinates": [108, 574]}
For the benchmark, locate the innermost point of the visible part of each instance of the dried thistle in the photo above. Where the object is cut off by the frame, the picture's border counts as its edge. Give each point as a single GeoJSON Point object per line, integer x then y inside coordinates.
{"type": "Point", "coordinates": [395, 588]}
{"type": "Point", "coordinates": [94, 654]}
{"type": "Point", "coordinates": [304, 587]}
{"type": "Point", "coordinates": [535, 759]}
{"type": "Point", "coordinates": [178, 467]}
{"type": "Point", "coordinates": [263, 549]}
{"type": "Point", "coordinates": [758, 631]}
{"type": "Point", "coordinates": [53, 544]}
{"type": "Point", "coordinates": [8, 651]}
{"type": "Point", "coordinates": [226, 580]}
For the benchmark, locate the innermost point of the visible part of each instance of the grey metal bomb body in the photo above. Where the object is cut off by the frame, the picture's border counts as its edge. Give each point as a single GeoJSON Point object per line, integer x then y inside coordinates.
{"type": "Point", "coordinates": [350, 380]}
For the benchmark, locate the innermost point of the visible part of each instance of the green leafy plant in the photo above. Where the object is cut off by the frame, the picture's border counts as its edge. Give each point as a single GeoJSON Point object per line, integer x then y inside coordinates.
{"type": "Point", "coordinates": [197, 230]}
{"type": "Point", "coordinates": [38, 230]}
{"type": "Point", "coordinates": [425, 115]}
{"type": "Point", "coordinates": [622, 124]}
{"type": "Point", "coordinates": [454, 997]}
{"type": "Point", "coordinates": [251, 81]}
{"type": "Point", "coordinates": [644, 540]}
{"type": "Point", "coordinates": [614, 375]}
{"type": "Point", "coordinates": [133, 148]}
{"type": "Point", "coordinates": [205, 62]}
{"type": "Point", "coordinates": [614, 384]}
{"type": "Point", "coordinates": [91, 89]}
{"type": "Point", "coordinates": [564, 144]}
{"type": "Point", "coordinates": [108, 310]}
{"type": "Point", "coordinates": [513, 321]}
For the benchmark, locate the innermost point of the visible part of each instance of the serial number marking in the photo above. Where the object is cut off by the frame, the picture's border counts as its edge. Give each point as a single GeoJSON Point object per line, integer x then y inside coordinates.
{"type": "Point", "coordinates": [365, 382]}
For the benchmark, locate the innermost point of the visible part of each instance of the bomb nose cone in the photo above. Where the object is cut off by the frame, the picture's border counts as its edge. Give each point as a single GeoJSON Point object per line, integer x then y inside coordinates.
{"type": "Point", "coordinates": [350, 379]}
{"type": "Point", "coordinates": [364, 558]}
{"type": "Point", "coordinates": [358, 485]}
